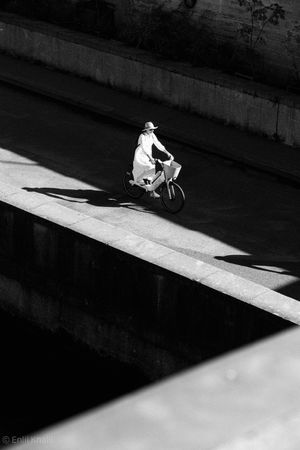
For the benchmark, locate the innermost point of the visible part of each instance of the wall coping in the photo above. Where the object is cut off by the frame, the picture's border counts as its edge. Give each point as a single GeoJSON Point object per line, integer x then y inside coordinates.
{"type": "Point", "coordinates": [185, 266]}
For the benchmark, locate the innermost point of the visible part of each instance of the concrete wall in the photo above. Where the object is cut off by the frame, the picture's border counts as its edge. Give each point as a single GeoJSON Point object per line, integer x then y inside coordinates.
{"type": "Point", "coordinates": [250, 106]}
{"type": "Point", "coordinates": [136, 300]}
{"type": "Point", "coordinates": [224, 19]}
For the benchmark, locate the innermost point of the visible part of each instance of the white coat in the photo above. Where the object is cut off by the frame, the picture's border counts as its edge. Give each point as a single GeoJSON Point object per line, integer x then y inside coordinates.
{"type": "Point", "coordinates": [142, 166]}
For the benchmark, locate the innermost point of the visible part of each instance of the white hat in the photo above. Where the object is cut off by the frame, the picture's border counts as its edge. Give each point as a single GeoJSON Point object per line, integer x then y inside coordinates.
{"type": "Point", "coordinates": [149, 126]}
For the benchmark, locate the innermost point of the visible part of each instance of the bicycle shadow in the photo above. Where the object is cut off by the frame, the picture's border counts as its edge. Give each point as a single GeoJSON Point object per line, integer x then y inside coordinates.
{"type": "Point", "coordinates": [92, 197]}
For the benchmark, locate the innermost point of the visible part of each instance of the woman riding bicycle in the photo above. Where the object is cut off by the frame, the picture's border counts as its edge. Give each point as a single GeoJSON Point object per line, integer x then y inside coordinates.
{"type": "Point", "coordinates": [143, 162]}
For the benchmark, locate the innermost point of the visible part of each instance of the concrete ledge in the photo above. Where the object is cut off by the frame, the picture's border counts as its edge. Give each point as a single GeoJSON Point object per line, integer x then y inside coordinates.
{"type": "Point", "coordinates": [251, 106]}
{"type": "Point", "coordinates": [137, 300]}
{"type": "Point", "coordinates": [164, 257]}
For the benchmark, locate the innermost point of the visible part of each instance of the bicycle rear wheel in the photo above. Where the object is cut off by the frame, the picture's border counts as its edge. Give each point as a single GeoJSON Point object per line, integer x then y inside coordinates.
{"type": "Point", "coordinates": [175, 201]}
{"type": "Point", "coordinates": [133, 191]}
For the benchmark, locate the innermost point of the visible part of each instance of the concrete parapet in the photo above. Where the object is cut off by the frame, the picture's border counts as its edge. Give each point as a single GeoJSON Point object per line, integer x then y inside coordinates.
{"type": "Point", "coordinates": [248, 400]}
{"type": "Point", "coordinates": [289, 123]}
{"type": "Point", "coordinates": [134, 299]}
{"type": "Point", "coordinates": [248, 105]}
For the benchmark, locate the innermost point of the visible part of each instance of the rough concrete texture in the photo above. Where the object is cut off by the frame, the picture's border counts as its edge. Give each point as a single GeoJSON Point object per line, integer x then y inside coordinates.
{"type": "Point", "coordinates": [122, 294]}
{"type": "Point", "coordinates": [206, 92]}
{"type": "Point", "coordinates": [223, 19]}
{"type": "Point", "coordinates": [288, 123]}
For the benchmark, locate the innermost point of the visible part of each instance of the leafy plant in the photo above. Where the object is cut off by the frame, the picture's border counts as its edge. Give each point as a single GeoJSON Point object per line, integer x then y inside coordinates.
{"type": "Point", "coordinates": [260, 15]}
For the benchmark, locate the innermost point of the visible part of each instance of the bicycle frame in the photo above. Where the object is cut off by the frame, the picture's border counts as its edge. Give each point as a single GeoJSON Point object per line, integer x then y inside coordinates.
{"type": "Point", "coordinates": [171, 194]}
{"type": "Point", "coordinates": [159, 178]}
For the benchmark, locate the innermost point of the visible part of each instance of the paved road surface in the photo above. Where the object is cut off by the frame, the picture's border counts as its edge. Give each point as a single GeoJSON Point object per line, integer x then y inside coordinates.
{"type": "Point", "coordinates": [240, 221]}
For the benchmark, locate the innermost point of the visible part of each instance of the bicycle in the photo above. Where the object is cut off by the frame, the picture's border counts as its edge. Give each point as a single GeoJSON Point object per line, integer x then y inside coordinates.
{"type": "Point", "coordinates": [171, 194]}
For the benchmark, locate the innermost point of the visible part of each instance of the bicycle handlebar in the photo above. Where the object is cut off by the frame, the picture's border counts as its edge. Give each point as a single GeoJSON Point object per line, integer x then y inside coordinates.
{"type": "Point", "coordinates": [162, 162]}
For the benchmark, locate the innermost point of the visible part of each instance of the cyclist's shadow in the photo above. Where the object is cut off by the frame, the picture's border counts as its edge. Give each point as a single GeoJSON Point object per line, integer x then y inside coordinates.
{"type": "Point", "coordinates": [89, 196]}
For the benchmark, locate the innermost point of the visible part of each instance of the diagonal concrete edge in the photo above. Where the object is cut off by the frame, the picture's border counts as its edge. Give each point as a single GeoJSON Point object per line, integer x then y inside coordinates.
{"type": "Point", "coordinates": [246, 400]}
{"type": "Point", "coordinates": [197, 271]}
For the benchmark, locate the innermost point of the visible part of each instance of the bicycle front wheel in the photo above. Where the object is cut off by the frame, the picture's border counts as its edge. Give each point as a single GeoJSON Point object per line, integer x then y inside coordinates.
{"type": "Point", "coordinates": [172, 199]}
{"type": "Point", "coordinates": [133, 191]}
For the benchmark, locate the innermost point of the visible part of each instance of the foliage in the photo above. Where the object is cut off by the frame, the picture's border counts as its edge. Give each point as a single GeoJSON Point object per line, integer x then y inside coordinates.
{"type": "Point", "coordinates": [252, 33]}
{"type": "Point", "coordinates": [260, 15]}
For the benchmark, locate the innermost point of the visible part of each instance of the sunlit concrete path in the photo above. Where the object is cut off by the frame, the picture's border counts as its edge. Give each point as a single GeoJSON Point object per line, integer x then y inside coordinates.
{"type": "Point", "coordinates": [238, 220]}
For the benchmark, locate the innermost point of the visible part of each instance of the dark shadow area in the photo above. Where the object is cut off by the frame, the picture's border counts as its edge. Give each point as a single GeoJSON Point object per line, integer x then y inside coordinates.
{"type": "Point", "coordinates": [45, 385]}
{"type": "Point", "coordinates": [282, 266]}
{"type": "Point", "coordinates": [167, 35]}
{"type": "Point", "coordinates": [242, 210]}
{"type": "Point", "coordinates": [47, 377]}
{"type": "Point", "coordinates": [286, 267]}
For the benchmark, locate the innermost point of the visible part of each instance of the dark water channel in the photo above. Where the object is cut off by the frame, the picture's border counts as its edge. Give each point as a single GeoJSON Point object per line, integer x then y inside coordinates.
{"type": "Point", "coordinates": [46, 378]}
